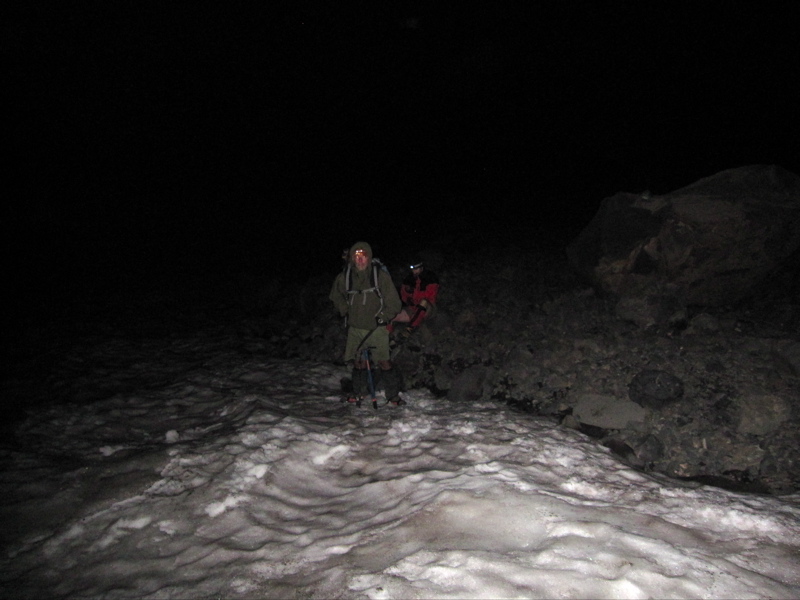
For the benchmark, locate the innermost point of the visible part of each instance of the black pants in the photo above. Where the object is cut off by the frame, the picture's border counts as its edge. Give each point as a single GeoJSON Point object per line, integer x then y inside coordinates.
{"type": "Point", "coordinates": [390, 380]}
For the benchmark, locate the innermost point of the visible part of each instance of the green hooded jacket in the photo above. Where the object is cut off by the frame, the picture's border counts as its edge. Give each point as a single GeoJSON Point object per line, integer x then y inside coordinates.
{"type": "Point", "coordinates": [364, 306]}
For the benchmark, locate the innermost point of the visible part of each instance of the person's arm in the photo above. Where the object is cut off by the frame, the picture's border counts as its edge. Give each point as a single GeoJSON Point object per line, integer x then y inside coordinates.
{"type": "Point", "coordinates": [391, 300]}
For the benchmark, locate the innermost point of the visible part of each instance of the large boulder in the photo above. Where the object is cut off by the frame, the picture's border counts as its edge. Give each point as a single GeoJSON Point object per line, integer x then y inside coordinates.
{"type": "Point", "coordinates": [710, 243]}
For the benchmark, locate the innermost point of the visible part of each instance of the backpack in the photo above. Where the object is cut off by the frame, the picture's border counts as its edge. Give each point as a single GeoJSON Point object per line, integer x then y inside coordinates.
{"type": "Point", "coordinates": [377, 266]}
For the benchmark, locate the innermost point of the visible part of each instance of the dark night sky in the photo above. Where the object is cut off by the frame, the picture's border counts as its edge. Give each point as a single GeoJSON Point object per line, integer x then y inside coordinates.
{"type": "Point", "coordinates": [220, 136]}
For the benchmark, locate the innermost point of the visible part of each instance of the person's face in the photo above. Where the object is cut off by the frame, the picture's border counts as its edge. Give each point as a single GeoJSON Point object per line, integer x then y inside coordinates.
{"type": "Point", "coordinates": [360, 260]}
{"type": "Point", "coordinates": [417, 271]}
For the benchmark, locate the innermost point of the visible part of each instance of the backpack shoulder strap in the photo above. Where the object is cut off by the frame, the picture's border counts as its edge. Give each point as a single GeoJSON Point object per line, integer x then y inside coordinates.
{"type": "Point", "coordinates": [376, 266]}
{"type": "Point", "coordinates": [348, 281]}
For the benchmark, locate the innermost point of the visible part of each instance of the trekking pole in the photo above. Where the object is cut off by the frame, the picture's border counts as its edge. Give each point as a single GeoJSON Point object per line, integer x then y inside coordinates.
{"type": "Point", "coordinates": [370, 379]}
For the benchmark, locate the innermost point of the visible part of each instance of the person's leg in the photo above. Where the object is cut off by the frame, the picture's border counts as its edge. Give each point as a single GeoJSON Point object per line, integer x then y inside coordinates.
{"type": "Point", "coordinates": [404, 316]}
{"type": "Point", "coordinates": [353, 346]}
{"type": "Point", "coordinates": [360, 381]}
{"type": "Point", "coordinates": [387, 375]}
{"type": "Point", "coordinates": [353, 353]}
{"type": "Point", "coordinates": [391, 379]}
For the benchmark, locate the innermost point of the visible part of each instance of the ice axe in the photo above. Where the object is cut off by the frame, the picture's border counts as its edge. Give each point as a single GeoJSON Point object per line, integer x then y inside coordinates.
{"type": "Point", "coordinates": [370, 379]}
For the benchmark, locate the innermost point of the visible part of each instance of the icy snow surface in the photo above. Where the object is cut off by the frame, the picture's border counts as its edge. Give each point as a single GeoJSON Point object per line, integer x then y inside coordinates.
{"type": "Point", "coordinates": [229, 476]}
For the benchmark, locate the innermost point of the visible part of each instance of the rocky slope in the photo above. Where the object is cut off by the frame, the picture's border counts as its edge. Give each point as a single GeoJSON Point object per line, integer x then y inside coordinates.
{"type": "Point", "coordinates": [713, 397]}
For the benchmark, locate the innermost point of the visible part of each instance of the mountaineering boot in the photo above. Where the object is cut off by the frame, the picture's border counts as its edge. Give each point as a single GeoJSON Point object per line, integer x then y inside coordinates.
{"type": "Point", "coordinates": [348, 394]}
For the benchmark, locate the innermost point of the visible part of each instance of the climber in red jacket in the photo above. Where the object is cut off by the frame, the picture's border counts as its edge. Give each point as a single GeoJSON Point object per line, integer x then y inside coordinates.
{"type": "Point", "coordinates": [418, 293]}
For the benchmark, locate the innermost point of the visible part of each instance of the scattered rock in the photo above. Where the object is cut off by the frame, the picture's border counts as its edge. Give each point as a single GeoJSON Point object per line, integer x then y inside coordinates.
{"type": "Point", "coordinates": [608, 412]}
{"type": "Point", "coordinates": [655, 307]}
{"type": "Point", "coordinates": [703, 323]}
{"type": "Point", "coordinates": [789, 353]}
{"type": "Point", "coordinates": [653, 388]}
{"type": "Point", "coordinates": [650, 450]}
{"type": "Point", "coordinates": [761, 414]}
{"type": "Point", "coordinates": [470, 385]}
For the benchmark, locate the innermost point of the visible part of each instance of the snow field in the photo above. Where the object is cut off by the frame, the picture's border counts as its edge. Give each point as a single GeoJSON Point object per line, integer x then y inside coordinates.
{"type": "Point", "coordinates": [250, 486]}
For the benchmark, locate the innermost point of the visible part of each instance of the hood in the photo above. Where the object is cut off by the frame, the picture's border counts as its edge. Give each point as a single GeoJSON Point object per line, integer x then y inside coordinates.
{"type": "Point", "coordinates": [360, 246]}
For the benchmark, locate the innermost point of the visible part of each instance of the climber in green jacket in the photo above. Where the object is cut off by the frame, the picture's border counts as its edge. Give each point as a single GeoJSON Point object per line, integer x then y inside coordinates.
{"type": "Point", "coordinates": [365, 295]}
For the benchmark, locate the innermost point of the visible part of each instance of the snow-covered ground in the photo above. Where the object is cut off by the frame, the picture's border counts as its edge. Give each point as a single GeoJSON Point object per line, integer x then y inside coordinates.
{"type": "Point", "coordinates": [215, 473]}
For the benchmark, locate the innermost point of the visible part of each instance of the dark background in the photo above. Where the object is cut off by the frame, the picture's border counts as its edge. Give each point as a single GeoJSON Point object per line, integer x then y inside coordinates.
{"type": "Point", "coordinates": [154, 139]}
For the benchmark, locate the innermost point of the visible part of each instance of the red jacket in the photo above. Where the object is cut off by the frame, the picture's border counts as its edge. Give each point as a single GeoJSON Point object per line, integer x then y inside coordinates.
{"type": "Point", "coordinates": [416, 289]}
